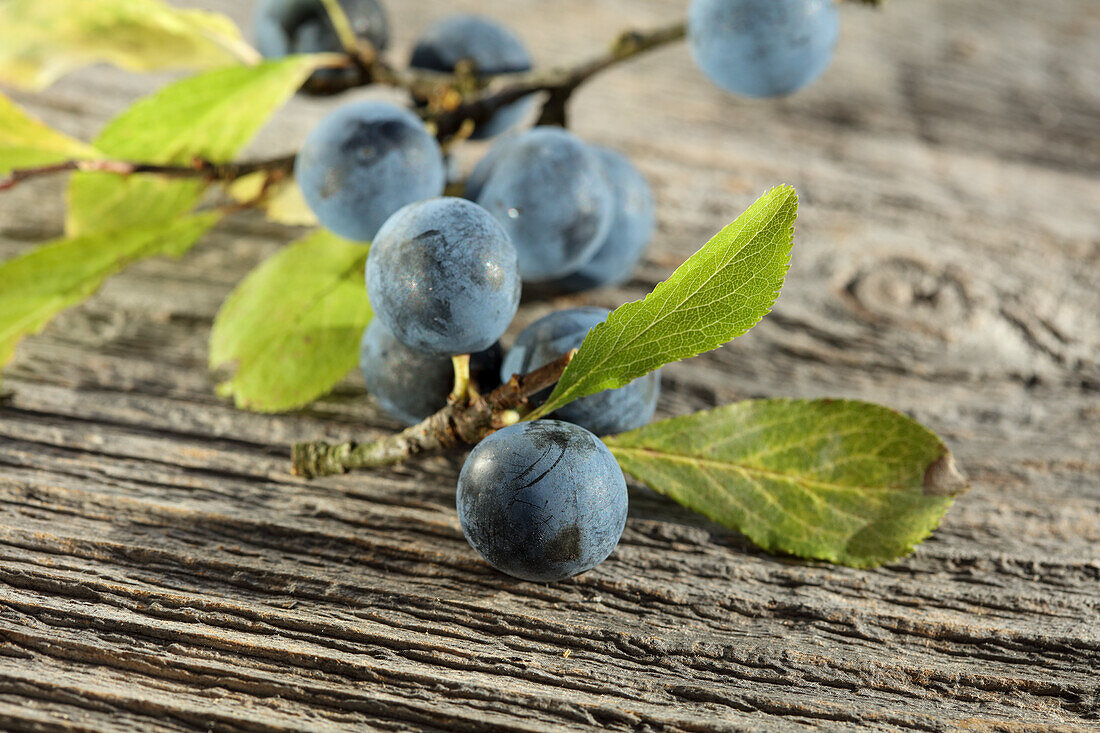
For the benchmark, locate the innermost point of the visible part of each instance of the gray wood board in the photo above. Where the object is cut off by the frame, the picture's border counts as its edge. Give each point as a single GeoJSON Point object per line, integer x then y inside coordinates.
{"type": "Point", "coordinates": [161, 570]}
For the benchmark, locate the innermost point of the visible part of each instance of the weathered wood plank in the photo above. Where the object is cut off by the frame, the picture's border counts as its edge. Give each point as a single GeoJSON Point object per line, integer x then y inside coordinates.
{"type": "Point", "coordinates": [161, 570]}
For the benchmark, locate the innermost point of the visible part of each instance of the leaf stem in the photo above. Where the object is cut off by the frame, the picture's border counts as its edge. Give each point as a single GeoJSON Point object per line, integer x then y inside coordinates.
{"type": "Point", "coordinates": [456, 424]}
{"type": "Point", "coordinates": [462, 378]}
{"type": "Point", "coordinates": [341, 25]}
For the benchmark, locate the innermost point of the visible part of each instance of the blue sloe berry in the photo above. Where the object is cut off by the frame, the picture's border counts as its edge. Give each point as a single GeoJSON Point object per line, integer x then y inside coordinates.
{"type": "Point", "coordinates": [442, 276]}
{"type": "Point", "coordinates": [542, 500]}
{"type": "Point", "coordinates": [630, 233]}
{"type": "Point", "coordinates": [411, 385]}
{"type": "Point", "coordinates": [548, 191]}
{"type": "Point", "coordinates": [611, 411]}
{"type": "Point", "coordinates": [284, 27]}
{"type": "Point", "coordinates": [488, 46]}
{"type": "Point", "coordinates": [762, 48]}
{"type": "Point", "coordinates": [364, 161]}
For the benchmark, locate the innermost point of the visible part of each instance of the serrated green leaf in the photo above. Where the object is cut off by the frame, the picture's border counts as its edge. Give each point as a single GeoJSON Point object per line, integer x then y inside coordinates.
{"type": "Point", "coordinates": [41, 40]}
{"type": "Point", "coordinates": [25, 142]}
{"type": "Point", "coordinates": [721, 292]}
{"type": "Point", "coordinates": [36, 286]}
{"type": "Point", "coordinates": [211, 116]}
{"type": "Point", "coordinates": [292, 327]}
{"type": "Point", "coordinates": [844, 481]}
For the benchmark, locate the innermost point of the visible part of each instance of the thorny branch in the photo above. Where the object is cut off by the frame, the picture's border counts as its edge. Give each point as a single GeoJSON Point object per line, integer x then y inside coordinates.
{"type": "Point", "coordinates": [462, 421]}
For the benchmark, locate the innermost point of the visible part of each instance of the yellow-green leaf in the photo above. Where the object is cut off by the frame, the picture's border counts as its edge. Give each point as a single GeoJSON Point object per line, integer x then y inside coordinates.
{"type": "Point", "coordinates": [42, 40]}
{"type": "Point", "coordinates": [292, 326]}
{"type": "Point", "coordinates": [212, 116]}
{"type": "Point", "coordinates": [838, 480]}
{"type": "Point", "coordinates": [25, 142]}
{"type": "Point", "coordinates": [721, 292]}
{"type": "Point", "coordinates": [282, 202]}
{"type": "Point", "coordinates": [34, 287]}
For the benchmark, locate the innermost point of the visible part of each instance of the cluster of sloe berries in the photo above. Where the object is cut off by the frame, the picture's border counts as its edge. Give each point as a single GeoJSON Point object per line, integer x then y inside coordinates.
{"type": "Point", "coordinates": [540, 500]}
{"type": "Point", "coordinates": [756, 48]}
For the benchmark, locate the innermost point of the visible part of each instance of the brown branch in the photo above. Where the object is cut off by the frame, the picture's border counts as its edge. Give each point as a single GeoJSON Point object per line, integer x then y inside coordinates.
{"type": "Point", "coordinates": [559, 83]}
{"type": "Point", "coordinates": [463, 95]}
{"type": "Point", "coordinates": [456, 424]}
{"type": "Point", "coordinates": [199, 168]}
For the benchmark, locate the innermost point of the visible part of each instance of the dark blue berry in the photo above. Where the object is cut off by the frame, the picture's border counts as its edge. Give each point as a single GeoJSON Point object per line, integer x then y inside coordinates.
{"type": "Point", "coordinates": [488, 46]}
{"type": "Point", "coordinates": [411, 385]}
{"type": "Point", "coordinates": [630, 233]}
{"type": "Point", "coordinates": [542, 500]}
{"type": "Point", "coordinates": [363, 162]}
{"type": "Point", "coordinates": [549, 192]}
{"type": "Point", "coordinates": [442, 276]}
{"type": "Point", "coordinates": [762, 48]}
{"type": "Point", "coordinates": [284, 27]}
{"type": "Point", "coordinates": [611, 411]}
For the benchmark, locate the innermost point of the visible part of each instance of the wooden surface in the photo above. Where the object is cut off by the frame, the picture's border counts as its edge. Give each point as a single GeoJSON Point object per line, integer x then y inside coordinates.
{"type": "Point", "coordinates": [160, 570]}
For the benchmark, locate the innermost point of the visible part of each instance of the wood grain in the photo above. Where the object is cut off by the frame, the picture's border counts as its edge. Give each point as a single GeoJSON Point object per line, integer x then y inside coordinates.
{"type": "Point", "coordinates": [161, 570]}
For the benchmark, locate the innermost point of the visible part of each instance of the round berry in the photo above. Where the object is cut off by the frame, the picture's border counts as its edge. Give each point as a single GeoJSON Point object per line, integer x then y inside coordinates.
{"type": "Point", "coordinates": [631, 230]}
{"type": "Point", "coordinates": [548, 191]}
{"type": "Point", "coordinates": [284, 27]}
{"type": "Point", "coordinates": [542, 500]}
{"type": "Point", "coordinates": [762, 48]}
{"type": "Point", "coordinates": [411, 385]}
{"type": "Point", "coordinates": [480, 174]}
{"type": "Point", "coordinates": [611, 411]}
{"type": "Point", "coordinates": [363, 162]}
{"type": "Point", "coordinates": [488, 47]}
{"type": "Point", "coordinates": [442, 276]}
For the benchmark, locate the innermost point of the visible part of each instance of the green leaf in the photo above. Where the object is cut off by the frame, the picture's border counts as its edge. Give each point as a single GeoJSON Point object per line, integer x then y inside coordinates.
{"type": "Point", "coordinates": [25, 142]}
{"type": "Point", "coordinates": [42, 40]}
{"type": "Point", "coordinates": [293, 325]}
{"type": "Point", "coordinates": [844, 481]}
{"type": "Point", "coordinates": [212, 116]}
{"type": "Point", "coordinates": [721, 292]}
{"type": "Point", "coordinates": [34, 287]}
{"type": "Point", "coordinates": [282, 201]}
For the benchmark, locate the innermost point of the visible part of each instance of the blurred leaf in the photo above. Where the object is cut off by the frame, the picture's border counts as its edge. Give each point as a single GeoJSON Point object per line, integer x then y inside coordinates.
{"type": "Point", "coordinates": [36, 286]}
{"type": "Point", "coordinates": [721, 292]}
{"type": "Point", "coordinates": [837, 480]}
{"type": "Point", "coordinates": [282, 202]}
{"type": "Point", "coordinates": [293, 325]}
{"type": "Point", "coordinates": [25, 142]}
{"type": "Point", "coordinates": [212, 116]}
{"type": "Point", "coordinates": [42, 40]}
